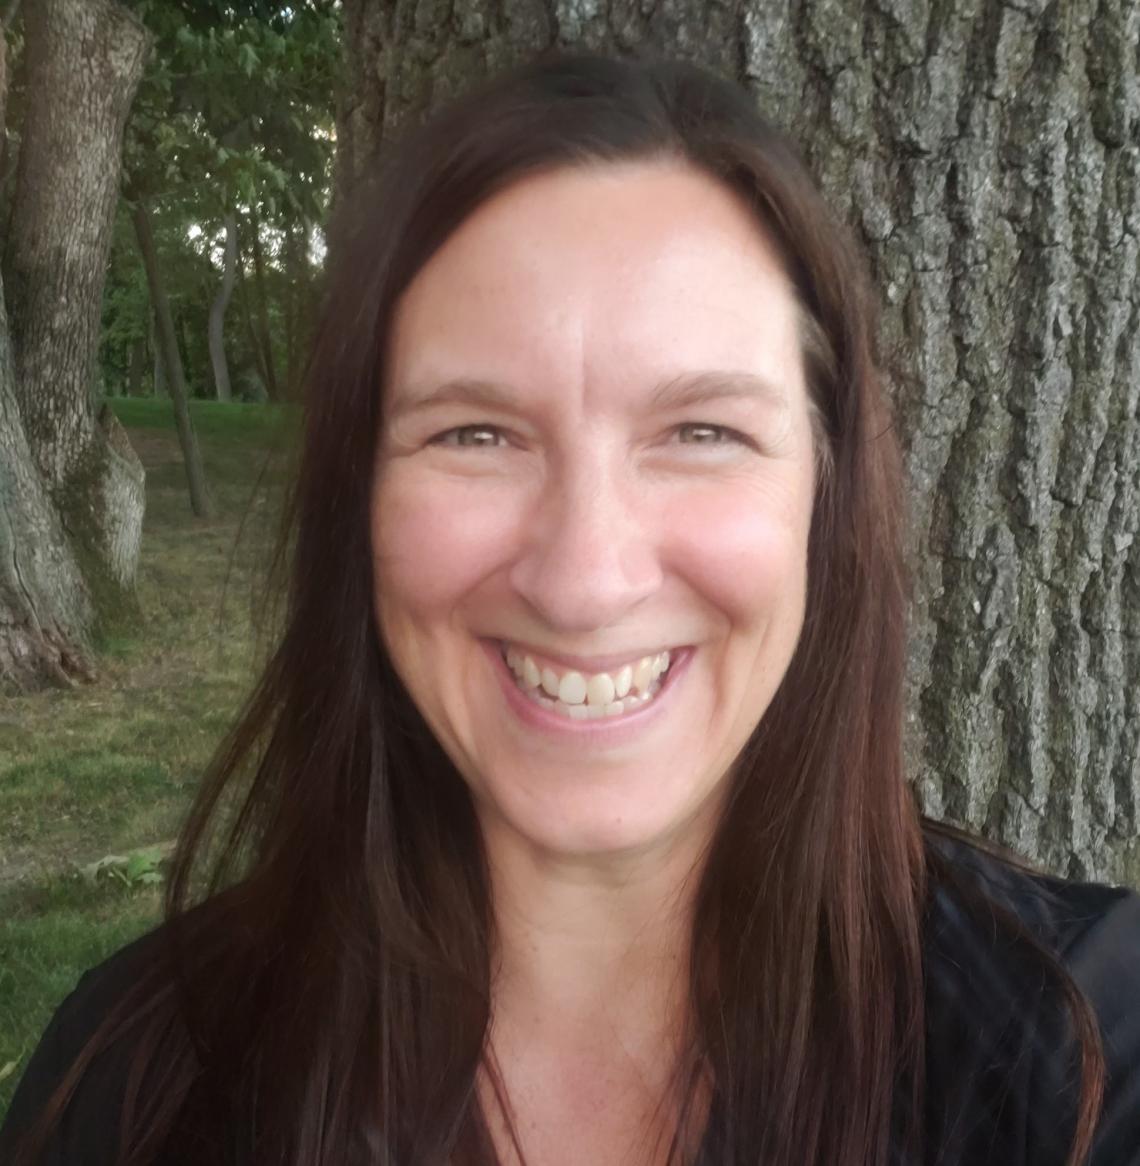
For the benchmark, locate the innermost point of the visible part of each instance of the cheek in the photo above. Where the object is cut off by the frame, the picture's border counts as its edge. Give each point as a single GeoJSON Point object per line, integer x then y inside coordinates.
{"type": "Point", "coordinates": [744, 550]}
{"type": "Point", "coordinates": [432, 545]}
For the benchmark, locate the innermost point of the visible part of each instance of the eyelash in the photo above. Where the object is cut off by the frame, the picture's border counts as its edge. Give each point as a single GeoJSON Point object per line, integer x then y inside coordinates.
{"type": "Point", "coordinates": [725, 434]}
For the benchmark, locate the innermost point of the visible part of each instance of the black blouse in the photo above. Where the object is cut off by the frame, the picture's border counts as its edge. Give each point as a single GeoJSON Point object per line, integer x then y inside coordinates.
{"type": "Point", "coordinates": [1001, 1069]}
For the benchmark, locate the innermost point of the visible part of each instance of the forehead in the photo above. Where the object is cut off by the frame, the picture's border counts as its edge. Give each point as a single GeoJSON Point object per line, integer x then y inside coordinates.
{"type": "Point", "coordinates": [601, 278]}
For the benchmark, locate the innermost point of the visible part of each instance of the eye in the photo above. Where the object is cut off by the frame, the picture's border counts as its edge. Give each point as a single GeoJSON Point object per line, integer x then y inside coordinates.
{"type": "Point", "coordinates": [470, 437]}
{"type": "Point", "coordinates": [704, 433]}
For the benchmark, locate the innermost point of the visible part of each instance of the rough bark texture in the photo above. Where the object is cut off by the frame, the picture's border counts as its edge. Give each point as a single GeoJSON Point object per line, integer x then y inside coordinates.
{"type": "Point", "coordinates": [988, 154]}
{"type": "Point", "coordinates": [45, 608]}
{"type": "Point", "coordinates": [217, 322]}
{"type": "Point", "coordinates": [84, 61]}
{"type": "Point", "coordinates": [167, 346]}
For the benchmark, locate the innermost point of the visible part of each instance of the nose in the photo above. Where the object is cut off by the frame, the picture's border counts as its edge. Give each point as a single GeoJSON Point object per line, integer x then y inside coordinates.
{"type": "Point", "coordinates": [590, 555]}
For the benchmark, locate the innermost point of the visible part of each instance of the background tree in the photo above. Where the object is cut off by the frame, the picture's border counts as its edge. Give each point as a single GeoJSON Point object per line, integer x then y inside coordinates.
{"type": "Point", "coordinates": [233, 117]}
{"type": "Point", "coordinates": [84, 61]}
{"type": "Point", "coordinates": [44, 604]}
{"type": "Point", "coordinates": [989, 157]}
{"type": "Point", "coordinates": [218, 307]}
{"type": "Point", "coordinates": [78, 505]}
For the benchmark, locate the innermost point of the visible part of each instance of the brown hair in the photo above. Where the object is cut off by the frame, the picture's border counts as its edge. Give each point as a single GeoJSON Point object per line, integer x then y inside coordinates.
{"type": "Point", "coordinates": [332, 989]}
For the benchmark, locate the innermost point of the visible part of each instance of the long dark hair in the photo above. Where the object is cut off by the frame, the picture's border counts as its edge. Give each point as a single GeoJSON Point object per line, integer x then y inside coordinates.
{"type": "Point", "coordinates": [327, 999]}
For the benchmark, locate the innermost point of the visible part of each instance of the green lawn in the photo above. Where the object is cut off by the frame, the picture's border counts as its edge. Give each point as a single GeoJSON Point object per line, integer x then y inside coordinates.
{"type": "Point", "coordinates": [109, 768]}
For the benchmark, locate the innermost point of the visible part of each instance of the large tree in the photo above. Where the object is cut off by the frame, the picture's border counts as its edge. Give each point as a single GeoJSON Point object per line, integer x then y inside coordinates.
{"type": "Point", "coordinates": [70, 485]}
{"type": "Point", "coordinates": [44, 603]}
{"type": "Point", "coordinates": [987, 154]}
{"type": "Point", "coordinates": [84, 61]}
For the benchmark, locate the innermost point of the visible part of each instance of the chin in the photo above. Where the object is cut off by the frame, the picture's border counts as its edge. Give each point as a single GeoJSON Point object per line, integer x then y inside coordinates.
{"type": "Point", "coordinates": [592, 825]}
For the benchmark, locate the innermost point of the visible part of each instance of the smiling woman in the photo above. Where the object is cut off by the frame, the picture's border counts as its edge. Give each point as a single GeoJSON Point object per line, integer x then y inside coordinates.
{"type": "Point", "coordinates": [573, 826]}
{"type": "Point", "coordinates": [620, 311]}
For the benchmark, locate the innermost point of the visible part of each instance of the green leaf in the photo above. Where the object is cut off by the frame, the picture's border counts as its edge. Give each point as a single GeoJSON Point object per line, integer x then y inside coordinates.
{"type": "Point", "coordinates": [137, 865]}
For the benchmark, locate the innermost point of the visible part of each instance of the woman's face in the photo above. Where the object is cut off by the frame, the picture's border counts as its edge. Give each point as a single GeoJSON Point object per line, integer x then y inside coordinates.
{"type": "Point", "coordinates": [596, 459]}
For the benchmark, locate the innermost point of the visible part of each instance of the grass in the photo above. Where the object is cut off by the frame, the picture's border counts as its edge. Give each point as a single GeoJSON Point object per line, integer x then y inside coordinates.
{"type": "Point", "coordinates": [110, 768]}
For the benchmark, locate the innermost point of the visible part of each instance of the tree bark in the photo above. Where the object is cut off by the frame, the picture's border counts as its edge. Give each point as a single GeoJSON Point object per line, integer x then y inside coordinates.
{"type": "Point", "coordinates": [45, 607]}
{"type": "Point", "coordinates": [84, 62]}
{"type": "Point", "coordinates": [986, 154]}
{"type": "Point", "coordinates": [218, 312]}
{"type": "Point", "coordinates": [171, 363]}
{"type": "Point", "coordinates": [5, 23]}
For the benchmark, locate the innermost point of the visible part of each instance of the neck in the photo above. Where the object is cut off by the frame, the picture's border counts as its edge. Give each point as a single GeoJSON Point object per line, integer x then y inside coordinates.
{"type": "Point", "coordinates": [589, 1001]}
{"type": "Point", "coordinates": [586, 947]}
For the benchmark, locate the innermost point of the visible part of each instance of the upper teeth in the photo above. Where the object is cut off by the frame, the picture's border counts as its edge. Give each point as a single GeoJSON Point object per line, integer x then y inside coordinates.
{"type": "Point", "coordinates": [598, 688]}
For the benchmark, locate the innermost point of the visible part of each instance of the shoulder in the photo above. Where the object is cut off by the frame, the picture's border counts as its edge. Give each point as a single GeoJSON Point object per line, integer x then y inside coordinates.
{"type": "Point", "coordinates": [1001, 1048]}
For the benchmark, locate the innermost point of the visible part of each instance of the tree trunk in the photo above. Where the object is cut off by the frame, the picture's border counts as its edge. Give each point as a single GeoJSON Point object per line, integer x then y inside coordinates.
{"type": "Point", "coordinates": [299, 305]}
{"type": "Point", "coordinates": [218, 312]}
{"type": "Point", "coordinates": [45, 607]}
{"type": "Point", "coordinates": [264, 336]}
{"type": "Point", "coordinates": [158, 382]}
{"type": "Point", "coordinates": [250, 330]}
{"type": "Point", "coordinates": [135, 369]}
{"type": "Point", "coordinates": [172, 363]}
{"type": "Point", "coordinates": [185, 353]}
{"type": "Point", "coordinates": [6, 152]}
{"type": "Point", "coordinates": [986, 154]}
{"type": "Point", "coordinates": [289, 307]}
{"type": "Point", "coordinates": [84, 62]}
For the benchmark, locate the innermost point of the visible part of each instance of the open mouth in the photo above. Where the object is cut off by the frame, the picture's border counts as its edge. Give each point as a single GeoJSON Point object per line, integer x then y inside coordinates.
{"type": "Point", "coordinates": [580, 696]}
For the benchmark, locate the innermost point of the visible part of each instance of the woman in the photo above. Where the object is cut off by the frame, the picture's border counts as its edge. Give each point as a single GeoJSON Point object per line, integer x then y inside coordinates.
{"type": "Point", "coordinates": [573, 825]}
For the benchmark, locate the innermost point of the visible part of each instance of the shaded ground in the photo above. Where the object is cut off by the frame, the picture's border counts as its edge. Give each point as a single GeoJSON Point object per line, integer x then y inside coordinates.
{"type": "Point", "coordinates": [110, 768]}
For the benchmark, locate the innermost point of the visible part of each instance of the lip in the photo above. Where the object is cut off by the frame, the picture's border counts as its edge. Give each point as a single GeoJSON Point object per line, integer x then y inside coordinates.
{"type": "Point", "coordinates": [607, 730]}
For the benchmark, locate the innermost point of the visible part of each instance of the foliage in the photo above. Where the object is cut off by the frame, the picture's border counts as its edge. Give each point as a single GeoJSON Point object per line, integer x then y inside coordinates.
{"type": "Point", "coordinates": [140, 868]}
{"type": "Point", "coordinates": [234, 114]}
{"type": "Point", "coordinates": [236, 105]}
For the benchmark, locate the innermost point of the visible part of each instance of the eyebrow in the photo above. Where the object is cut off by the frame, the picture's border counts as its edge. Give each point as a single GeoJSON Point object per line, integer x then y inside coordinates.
{"type": "Point", "coordinates": [674, 393]}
